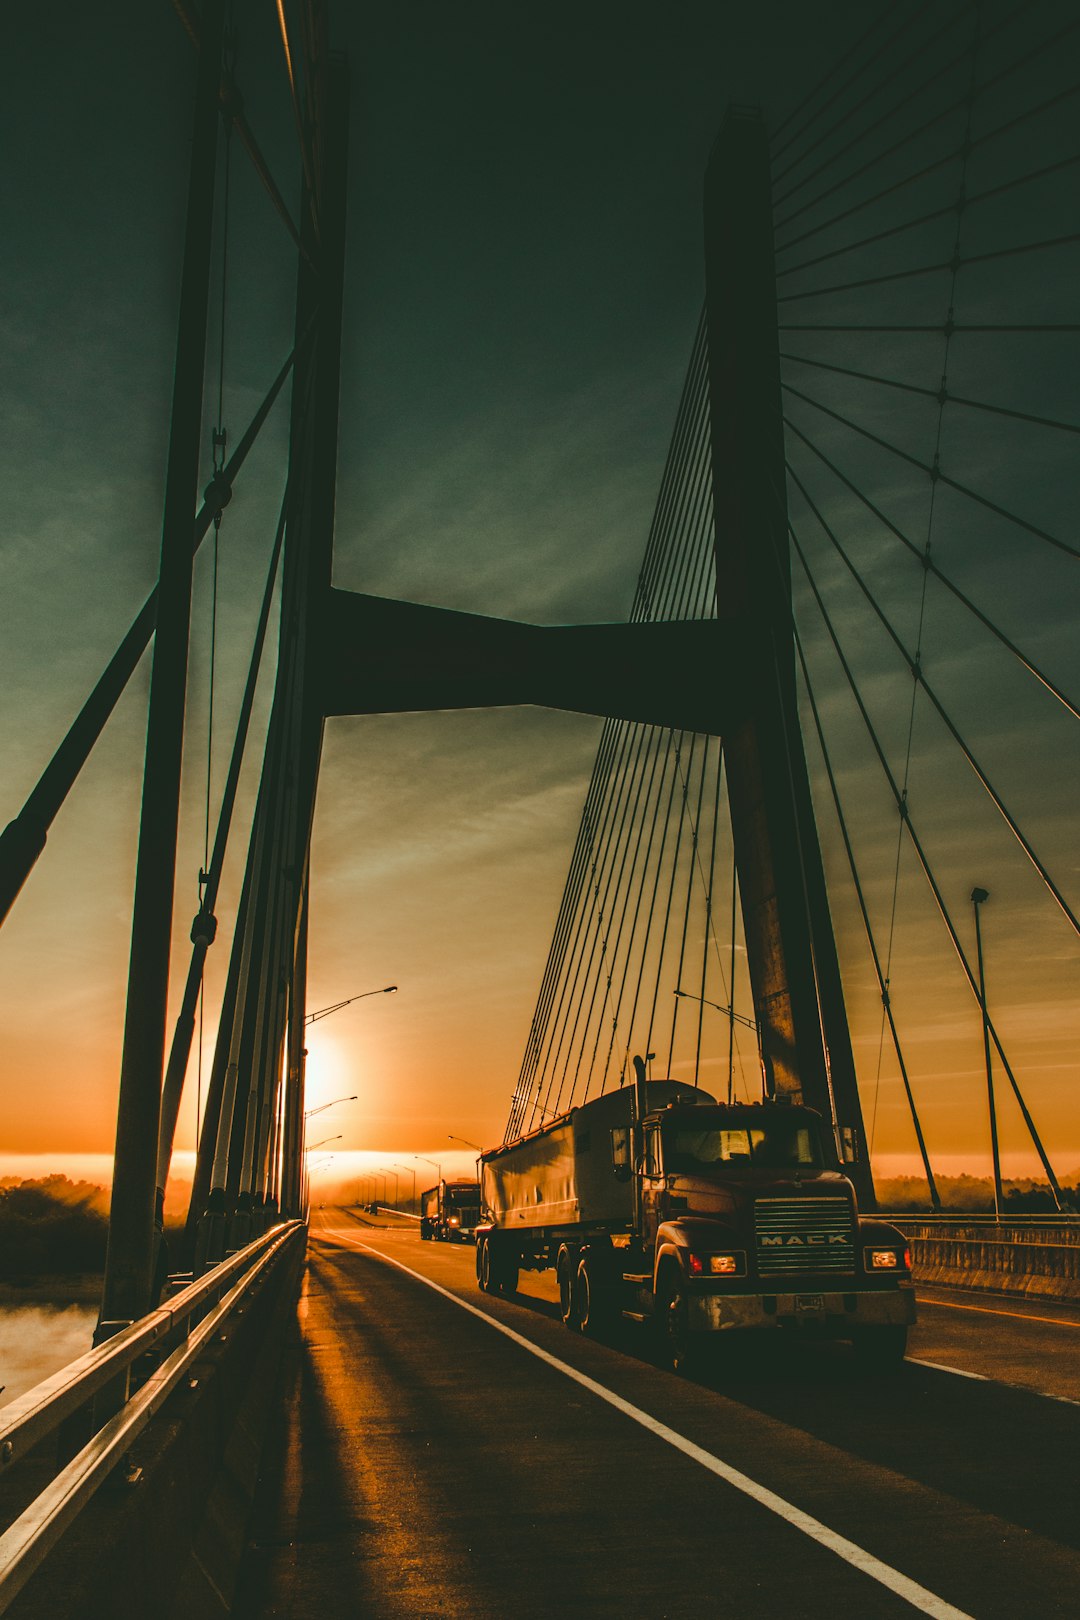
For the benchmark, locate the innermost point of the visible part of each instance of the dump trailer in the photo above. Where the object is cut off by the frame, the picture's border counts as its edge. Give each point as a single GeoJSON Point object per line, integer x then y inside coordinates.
{"type": "Point", "coordinates": [658, 1203]}
{"type": "Point", "coordinates": [450, 1211]}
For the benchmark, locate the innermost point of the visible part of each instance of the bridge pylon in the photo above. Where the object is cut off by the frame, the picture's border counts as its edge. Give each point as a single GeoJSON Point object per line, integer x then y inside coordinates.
{"type": "Point", "coordinates": [791, 949]}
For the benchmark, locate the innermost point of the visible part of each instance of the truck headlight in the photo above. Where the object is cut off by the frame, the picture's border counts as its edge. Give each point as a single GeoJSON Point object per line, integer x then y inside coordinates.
{"type": "Point", "coordinates": [715, 1265]}
{"type": "Point", "coordinates": [453, 1221]}
{"type": "Point", "coordinates": [888, 1259]}
{"type": "Point", "coordinates": [724, 1265]}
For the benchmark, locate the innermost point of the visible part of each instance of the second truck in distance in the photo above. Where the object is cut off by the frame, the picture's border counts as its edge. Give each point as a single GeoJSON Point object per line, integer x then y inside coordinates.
{"type": "Point", "coordinates": [450, 1211]}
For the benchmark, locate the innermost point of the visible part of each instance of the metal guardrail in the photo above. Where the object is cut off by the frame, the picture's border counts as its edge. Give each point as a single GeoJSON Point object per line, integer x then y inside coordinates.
{"type": "Point", "coordinates": [1033, 1255]}
{"type": "Point", "coordinates": [195, 1317]}
{"type": "Point", "coordinates": [959, 1217]}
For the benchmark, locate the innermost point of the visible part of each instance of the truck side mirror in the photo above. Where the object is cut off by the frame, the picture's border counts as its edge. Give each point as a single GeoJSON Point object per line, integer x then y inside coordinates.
{"type": "Point", "coordinates": [620, 1153]}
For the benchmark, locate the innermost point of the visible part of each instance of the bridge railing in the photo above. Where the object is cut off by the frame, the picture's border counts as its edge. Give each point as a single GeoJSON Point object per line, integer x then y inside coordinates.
{"type": "Point", "coordinates": [101, 1402]}
{"type": "Point", "coordinates": [1035, 1255]}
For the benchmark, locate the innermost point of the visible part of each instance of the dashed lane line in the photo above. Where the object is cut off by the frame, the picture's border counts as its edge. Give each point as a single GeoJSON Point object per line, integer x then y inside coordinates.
{"type": "Point", "coordinates": [919, 1597]}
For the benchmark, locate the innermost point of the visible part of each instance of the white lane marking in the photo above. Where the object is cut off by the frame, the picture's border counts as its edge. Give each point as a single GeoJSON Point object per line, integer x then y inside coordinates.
{"type": "Point", "coordinates": [958, 1372]}
{"type": "Point", "coordinates": [918, 1596]}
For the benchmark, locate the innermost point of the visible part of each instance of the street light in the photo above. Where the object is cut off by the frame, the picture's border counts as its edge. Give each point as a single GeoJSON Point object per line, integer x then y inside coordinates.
{"type": "Point", "coordinates": [333, 1104]}
{"type": "Point", "coordinates": [397, 1178]}
{"type": "Point", "coordinates": [409, 1169]}
{"type": "Point", "coordinates": [476, 1145]}
{"type": "Point", "coordinates": [438, 1167]}
{"type": "Point", "coordinates": [323, 1143]}
{"type": "Point", "coordinates": [733, 1018]}
{"type": "Point", "coordinates": [978, 896]}
{"type": "Point", "coordinates": [751, 1023]}
{"type": "Point", "coordinates": [324, 1012]}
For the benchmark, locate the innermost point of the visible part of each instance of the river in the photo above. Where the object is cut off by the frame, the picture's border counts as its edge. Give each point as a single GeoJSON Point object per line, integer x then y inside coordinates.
{"type": "Point", "coordinates": [38, 1336]}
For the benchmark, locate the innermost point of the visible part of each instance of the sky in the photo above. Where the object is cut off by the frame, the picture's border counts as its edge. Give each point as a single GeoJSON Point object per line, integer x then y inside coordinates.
{"type": "Point", "coordinates": [524, 279]}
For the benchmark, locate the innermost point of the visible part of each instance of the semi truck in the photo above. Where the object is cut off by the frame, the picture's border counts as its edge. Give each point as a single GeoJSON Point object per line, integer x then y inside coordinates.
{"type": "Point", "coordinates": [449, 1212]}
{"type": "Point", "coordinates": [657, 1203]}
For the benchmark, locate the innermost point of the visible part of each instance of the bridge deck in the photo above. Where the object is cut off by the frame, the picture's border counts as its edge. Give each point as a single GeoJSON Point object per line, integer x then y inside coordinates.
{"type": "Point", "coordinates": [435, 1465]}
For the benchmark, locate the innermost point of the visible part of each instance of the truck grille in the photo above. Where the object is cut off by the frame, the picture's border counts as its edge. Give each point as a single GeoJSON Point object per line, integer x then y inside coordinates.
{"type": "Point", "coordinates": [803, 1234]}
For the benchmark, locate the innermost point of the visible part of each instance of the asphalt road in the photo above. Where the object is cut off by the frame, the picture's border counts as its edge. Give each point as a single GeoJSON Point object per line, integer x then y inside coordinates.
{"type": "Point", "coordinates": [447, 1453]}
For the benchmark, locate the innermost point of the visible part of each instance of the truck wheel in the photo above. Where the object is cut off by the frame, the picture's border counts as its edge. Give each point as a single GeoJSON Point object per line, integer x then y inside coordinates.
{"type": "Point", "coordinates": [880, 1349]}
{"type": "Point", "coordinates": [594, 1303]}
{"type": "Point", "coordinates": [680, 1348]}
{"type": "Point", "coordinates": [483, 1265]}
{"type": "Point", "coordinates": [566, 1273]}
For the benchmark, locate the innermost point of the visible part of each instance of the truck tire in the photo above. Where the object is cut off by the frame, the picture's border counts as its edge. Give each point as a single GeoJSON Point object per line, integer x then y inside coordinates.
{"type": "Point", "coordinates": [880, 1349]}
{"type": "Point", "coordinates": [566, 1266]}
{"type": "Point", "coordinates": [496, 1267]}
{"type": "Point", "coordinates": [680, 1349]}
{"type": "Point", "coordinates": [595, 1306]}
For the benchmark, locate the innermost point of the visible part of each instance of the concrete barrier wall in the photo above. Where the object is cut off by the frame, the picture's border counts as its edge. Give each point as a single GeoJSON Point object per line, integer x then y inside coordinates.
{"type": "Point", "coordinates": [1039, 1261]}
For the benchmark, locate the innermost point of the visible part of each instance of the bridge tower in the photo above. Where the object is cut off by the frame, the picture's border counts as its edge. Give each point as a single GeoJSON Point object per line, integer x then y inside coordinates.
{"type": "Point", "coordinates": [791, 950]}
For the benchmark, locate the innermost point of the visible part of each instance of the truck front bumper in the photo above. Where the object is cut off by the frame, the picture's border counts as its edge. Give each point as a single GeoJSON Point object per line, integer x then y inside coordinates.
{"type": "Point", "coordinates": [837, 1315]}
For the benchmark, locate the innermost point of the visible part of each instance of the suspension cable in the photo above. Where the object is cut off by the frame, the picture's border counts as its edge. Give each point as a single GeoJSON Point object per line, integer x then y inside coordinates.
{"type": "Point", "coordinates": [883, 987]}
{"type": "Point", "coordinates": [970, 201]}
{"type": "Point", "coordinates": [942, 394]}
{"type": "Point", "coordinates": [822, 82]}
{"type": "Point", "coordinates": [301, 136]}
{"type": "Point", "coordinates": [933, 568]}
{"type": "Point", "coordinates": [936, 474]}
{"type": "Point", "coordinates": [1016, 248]}
{"type": "Point", "coordinates": [904, 811]}
{"type": "Point", "coordinates": [939, 162]}
{"type": "Point", "coordinates": [893, 72]}
{"type": "Point", "coordinates": [920, 683]}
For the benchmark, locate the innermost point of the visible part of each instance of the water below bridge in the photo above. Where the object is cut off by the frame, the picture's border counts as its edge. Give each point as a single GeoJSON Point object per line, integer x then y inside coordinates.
{"type": "Point", "coordinates": [448, 1453]}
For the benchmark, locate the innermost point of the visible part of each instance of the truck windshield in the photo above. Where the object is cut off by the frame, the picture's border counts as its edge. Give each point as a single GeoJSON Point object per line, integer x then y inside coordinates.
{"type": "Point", "coordinates": [779, 1142]}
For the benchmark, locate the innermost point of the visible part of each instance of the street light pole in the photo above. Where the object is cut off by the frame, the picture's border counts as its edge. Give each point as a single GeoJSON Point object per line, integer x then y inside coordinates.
{"type": "Point", "coordinates": [397, 1179]}
{"type": "Point", "coordinates": [978, 897]}
{"type": "Point", "coordinates": [324, 1012]}
{"type": "Point", "coordinates": [323, 1143]}
{"type": "Point", "coordinates": [438, 1167]}
{"type": "Point", "coordinates": [462, 1139]}
{"type": "Point", "coordinates": [323, 1106]}
{"type": "Point", "coordinates": [751, 1023]}
{"type": "Point", "coordinates": [410, 1171]}
{"type": "Point", "coordinates": [733, 1018]}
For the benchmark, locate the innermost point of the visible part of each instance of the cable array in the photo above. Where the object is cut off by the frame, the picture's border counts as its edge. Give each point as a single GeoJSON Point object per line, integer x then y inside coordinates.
{"type": "Point", "coordinates": [927, 235]}
{"type": "Point", "coordinates": [926, 249]}
{"type": "Point", "coordinates": [637, 916]}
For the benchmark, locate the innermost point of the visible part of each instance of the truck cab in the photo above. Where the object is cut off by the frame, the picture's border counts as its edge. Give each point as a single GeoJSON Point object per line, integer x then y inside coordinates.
{"type": "Point", "coordinates": [748, 1220]}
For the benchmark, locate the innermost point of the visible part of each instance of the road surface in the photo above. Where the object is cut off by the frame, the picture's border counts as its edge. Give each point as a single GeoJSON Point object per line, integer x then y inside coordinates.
{"type": "Point", "coordinates": [449, 1453]}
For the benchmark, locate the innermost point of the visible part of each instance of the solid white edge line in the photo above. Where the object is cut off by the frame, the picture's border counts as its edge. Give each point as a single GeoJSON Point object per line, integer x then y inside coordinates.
{"type": "Point", "coordinates": [918, 1596]}
{"type": "Point", "coordinates": [984, 1378]}
{"type": "Point", "coordinates": [959, 1372]}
